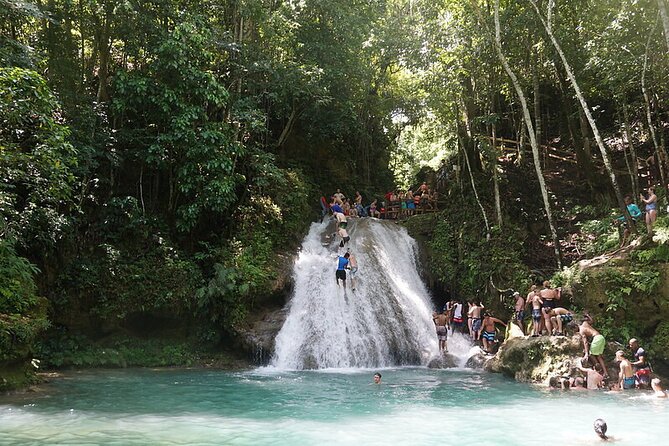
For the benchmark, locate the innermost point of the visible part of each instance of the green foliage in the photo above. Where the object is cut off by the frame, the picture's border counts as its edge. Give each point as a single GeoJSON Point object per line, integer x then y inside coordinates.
{"type": "Point", "coordinates": [462, 258]}
{"type": "Point", "coordinates": [659, 345]}
{"type": "Point", "coordinates": [35, 159]}
{"type": "Point", "coordinates": [62, 351]}
{"type": "Point", "coordinates": [170, 108]}
{"type": "Point", "coordinates": [22, 312]}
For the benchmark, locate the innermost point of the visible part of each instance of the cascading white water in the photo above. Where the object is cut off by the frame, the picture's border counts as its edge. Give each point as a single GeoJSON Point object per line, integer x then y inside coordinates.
{"type": "Point", "coordinates": [386, 321]}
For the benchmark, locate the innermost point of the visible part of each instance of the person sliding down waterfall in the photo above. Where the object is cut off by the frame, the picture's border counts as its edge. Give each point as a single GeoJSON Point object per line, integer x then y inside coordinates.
{"type": "Point", "coordinates": [353, 264]}
{"type": "Point", "coordinates": [341, 268]}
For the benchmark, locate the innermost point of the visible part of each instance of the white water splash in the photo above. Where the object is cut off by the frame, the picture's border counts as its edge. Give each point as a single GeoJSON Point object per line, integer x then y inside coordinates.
{"type": "Point", "coordinates": [386, 321]}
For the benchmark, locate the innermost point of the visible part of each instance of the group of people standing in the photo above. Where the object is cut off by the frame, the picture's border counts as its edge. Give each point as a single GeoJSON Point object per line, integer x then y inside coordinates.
{"type": "Point", "coordinates": [480, 324]}
{"type": "Point", "coordinates": [405, 203]}
{"type": "Point", "coordinates": [550, 318]}
{"type": "Point", "coordinates": [650, 208]}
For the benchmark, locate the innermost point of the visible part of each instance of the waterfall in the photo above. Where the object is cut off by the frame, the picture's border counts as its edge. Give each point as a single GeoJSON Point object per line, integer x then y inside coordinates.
{"type": "Point", "coordinates": [386, 321]}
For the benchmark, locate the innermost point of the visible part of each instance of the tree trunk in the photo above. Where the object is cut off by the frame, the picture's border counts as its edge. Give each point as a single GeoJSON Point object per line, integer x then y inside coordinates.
{"type": "Point", "coordinates": [649, 116]}
{"type": "Point", "coordinates": [104, 50]}
{"type": "Point", "coordinates": [537, 106]}
{"type": "Point", "coordinates": [634, 160]}
{"type": "Point", "coordinates": [531, 134]}
{"type": "Point", "coordinates": [476, 195]}
{"type": "Point", "coordinates": [591, 120]}
{"type": "Point", "coordinates": [495, 177]}
{"type": "Point", "coordinates": [665, 19]}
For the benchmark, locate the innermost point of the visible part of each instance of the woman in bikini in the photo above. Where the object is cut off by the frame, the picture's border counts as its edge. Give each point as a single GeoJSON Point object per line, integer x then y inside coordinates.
{"type": "Point", "coordinates": [651, 209]}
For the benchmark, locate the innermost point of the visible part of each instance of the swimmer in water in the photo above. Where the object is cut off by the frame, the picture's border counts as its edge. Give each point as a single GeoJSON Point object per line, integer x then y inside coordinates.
{"type": "Point", "coordinates": [600, 428]}
{"type": "Point", "coordinates": [377, 378]}
{"type": "Point", "coordinates": [656, 385]}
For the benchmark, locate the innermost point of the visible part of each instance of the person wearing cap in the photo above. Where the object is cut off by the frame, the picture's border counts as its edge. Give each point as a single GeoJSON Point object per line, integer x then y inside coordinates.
{"type": "Point", "coordinates": [520, 310]}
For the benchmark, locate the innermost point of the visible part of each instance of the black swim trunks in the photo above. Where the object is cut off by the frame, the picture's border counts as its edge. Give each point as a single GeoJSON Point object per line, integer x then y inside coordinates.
{"type": "Point", "coordinates": [341, 274]}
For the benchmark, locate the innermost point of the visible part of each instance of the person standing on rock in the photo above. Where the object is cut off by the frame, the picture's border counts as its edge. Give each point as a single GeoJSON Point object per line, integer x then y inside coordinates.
{"type": "Point", "coordinates": [488, 334]}
{"type": "Point", "coordinates": [457, 316]}
{"type": "Point", "coordinates": [549, 296]}
{"type": "Point", "coordinates": [519, 310]}
{"type": "Point", "coordinates": [597, 345]}
{"type": "Point", "coordinates": [475, 318]}
{"type": "Point", "coordinates": [534, 298]}
{"type": "Point", "coordinates": [440, 322]}
{"type": "Point", "coordinates": [626, 374]}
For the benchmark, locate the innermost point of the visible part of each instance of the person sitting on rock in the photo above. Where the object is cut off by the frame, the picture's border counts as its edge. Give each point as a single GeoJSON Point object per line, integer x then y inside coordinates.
{"type": "Point", "coordinates": [597, 345]}
{"type": "Point", "coordinates": [559, 318]}
{"type": "Point", "coordinates": [641, 365]}
{"type": "Point", "coordinates": [488, 334]}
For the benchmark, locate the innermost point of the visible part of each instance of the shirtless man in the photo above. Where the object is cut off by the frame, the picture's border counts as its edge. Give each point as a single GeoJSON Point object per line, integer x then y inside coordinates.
{"type": "Point", "coordinates": [344, 237]}
{"type": "Point", "coordinates": [626, 375]}
{"type": "Point", "coordinates": [534, 298]}
{"type": "Point", "coordinates": [339, 197]}
{"type": "Point", "coordinates": [596, 347]}
{"type": "Point", "coordinates": [559, 317]}
{"type": "Point", "coordinates": [488, 334]}
{"type": "Point", "coordinates": [440, 322]}
{"type": "Point", "coordinates": [594, 379]}
{"type": "Point", "coordinates": [520, 310]}
{"type": "Point", "coordinates": [549, 297]}
{"type": "Point", "coordinates": [353, 264]}
{"type": "Point", "coordinates": [475, 316]}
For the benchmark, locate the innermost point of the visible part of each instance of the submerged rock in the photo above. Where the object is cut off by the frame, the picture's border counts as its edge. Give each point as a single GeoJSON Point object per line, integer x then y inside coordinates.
{"type": "Point", "coordinates": [476, 361]}
{"type": "Point", "coordinates": [446, 361]}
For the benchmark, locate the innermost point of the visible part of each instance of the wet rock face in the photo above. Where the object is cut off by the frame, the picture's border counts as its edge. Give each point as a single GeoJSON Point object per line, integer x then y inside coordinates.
{"type": "Point", "coordinates": [477, 361]}
{"type": "Point", "coordinates": [258, 340]}
{"type": "Point", "coordinates": [446, 361]}
{"type": "Point", "coordinates": [535, 359]}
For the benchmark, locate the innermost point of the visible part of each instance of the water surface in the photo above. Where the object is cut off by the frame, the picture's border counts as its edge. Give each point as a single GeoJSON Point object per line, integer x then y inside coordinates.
{"type": "Point", "coordinates": [269, 407]}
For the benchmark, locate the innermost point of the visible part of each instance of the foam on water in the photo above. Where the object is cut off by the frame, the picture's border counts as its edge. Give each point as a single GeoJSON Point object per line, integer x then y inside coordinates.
{"type": "Point", "coordinates": [386, 321]}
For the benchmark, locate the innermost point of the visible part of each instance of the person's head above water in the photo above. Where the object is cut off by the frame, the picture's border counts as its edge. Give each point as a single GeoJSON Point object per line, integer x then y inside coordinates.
{"type": "Point", "coordinates": [600, 428]}
{"type": "Point", "coordinates": [377, 378]}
